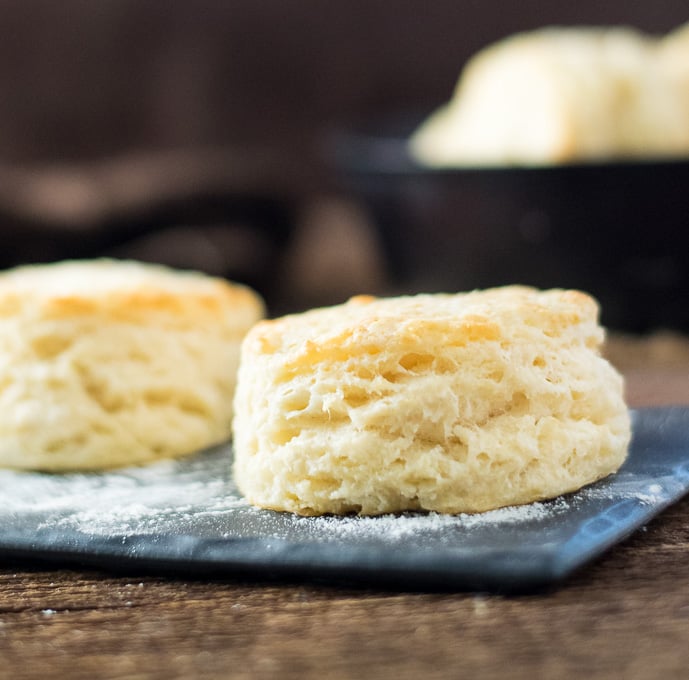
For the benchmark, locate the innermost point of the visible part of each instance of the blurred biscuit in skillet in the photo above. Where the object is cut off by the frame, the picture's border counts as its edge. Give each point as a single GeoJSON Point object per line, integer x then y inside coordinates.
{"type": "Point", "coordinates": [559, 95]}
{"type": "Point", "coordinates": [447, 403]}
{"type": "Point", "coordinates": [107, 363]}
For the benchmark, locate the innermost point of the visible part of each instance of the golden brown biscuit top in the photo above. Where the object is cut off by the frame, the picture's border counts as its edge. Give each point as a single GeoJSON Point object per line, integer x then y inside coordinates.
{"type": "Point", "coordinates": [368, 325]}
{"type": "Point", "coordinates": [123, 291]}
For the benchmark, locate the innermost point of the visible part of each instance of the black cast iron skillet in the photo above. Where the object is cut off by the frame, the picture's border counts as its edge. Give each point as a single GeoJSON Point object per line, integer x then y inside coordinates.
{"type": "Point", "coordinates": [619, 229]}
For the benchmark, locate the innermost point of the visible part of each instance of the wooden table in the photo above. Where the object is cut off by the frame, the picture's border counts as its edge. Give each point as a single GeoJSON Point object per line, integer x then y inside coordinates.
{"type": "Point", "coordinates": [626, 616]}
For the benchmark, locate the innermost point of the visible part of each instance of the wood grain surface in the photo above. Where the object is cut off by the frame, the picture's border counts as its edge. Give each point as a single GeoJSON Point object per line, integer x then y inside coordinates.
{"type": "Point", "coordinates": [625, 616]}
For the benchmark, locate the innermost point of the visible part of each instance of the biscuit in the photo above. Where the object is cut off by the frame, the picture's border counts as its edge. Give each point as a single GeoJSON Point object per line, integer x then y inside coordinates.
{"type": "Point", "coordinates": [437, 402]}
{"type": "Point", "coordinates": [559, 95]}
{"type": "Point", "coordinates": [108, 363]}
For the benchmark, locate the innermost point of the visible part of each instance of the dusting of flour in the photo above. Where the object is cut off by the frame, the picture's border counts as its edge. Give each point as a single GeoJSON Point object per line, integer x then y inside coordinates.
{"type": "Point", "coordinates": [198, 496]}
{"type": "Point", "coordinates": [131, 500]}
{"type": "Point", "coordinates": [173, 495]}
{"type": "Point", "coordinates": [394, 527]}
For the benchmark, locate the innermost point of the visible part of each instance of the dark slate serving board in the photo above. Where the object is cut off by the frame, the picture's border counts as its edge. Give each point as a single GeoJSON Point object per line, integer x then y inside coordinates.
{"type": "Point", "coordinates": [187, 517]}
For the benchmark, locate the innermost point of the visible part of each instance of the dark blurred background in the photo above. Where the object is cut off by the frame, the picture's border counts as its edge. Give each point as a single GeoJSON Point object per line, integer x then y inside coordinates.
{"type": "Point", "coordinates": [192, 133]}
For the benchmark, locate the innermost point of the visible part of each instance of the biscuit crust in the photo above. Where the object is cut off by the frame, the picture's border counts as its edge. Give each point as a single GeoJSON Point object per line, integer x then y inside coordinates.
{"type": "Point", "coordinates": [446, 403]}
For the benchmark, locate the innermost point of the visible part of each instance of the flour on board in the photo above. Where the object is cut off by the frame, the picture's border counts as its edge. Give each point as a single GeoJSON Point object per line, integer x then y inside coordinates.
{"type": "Point", "coordinates": [175, 496]}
